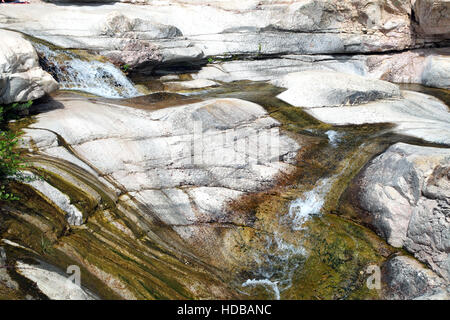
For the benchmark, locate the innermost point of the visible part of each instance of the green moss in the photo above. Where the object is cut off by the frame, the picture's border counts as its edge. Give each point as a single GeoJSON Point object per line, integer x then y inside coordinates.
{"type": "Point", "coordinates": [339, 253]}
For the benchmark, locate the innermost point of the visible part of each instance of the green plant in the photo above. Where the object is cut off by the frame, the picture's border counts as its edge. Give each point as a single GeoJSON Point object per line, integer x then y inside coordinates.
{"type": "Point", "coordinates": [11, 161]}
{"type": "Point", "coordinates": [210, 60]}
{"type": "Point", "coordinates": [13, 111]}
{"type": "Point", "coordinates": [46, 245]}
{"type": "Point", "coordinates": [126, 67]}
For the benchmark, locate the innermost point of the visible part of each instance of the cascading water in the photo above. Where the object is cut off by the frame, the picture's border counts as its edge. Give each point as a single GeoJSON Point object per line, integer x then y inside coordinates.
{"type": "Point", "coordinates": [309, 204]}
{"type": "Point", "coordinates": [334, 137]}
{"type": "Point", "coordinates": [281, 259]}
{"type": "Point", "coordinates": [73, 72]}
{"type": "Point", "coordinates": [277, 265]}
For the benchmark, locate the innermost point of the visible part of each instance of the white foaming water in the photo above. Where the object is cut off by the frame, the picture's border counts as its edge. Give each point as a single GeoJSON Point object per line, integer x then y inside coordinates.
{"type": "Point", "coordinates": [95, 77]}
{"type": "Point", "coordinates": [278, 265]}
{"type": "Point", "coordinates": [264, 282]}
{"type": "Point", "coordinates": [334, 137]}
{"type": "Point", "coordinates": [309, 204]}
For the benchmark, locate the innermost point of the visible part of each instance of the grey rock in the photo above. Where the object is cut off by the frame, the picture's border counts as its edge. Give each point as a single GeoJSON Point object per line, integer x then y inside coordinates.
{"type": "Point", "coordinates": [415, 114]}
{"type": "Point", "coordinates": [183, 163]}
{"type": "Point", "coordinates": [53, 282]}
{"type": "Point", "coordinates": [180, 29]}
{"type": "Point", "coordinates": [312, 89]}
{"type": "Point", "coordinates": [433, 16]}
{"type": "Point", "coordinates": [422, 66]}
{"type": "Point", "coordinates": [406, 279]}
{"type": "Point", "coordinates": [437, 72]}
{"type": "Point", "coordinates": [405, 193]}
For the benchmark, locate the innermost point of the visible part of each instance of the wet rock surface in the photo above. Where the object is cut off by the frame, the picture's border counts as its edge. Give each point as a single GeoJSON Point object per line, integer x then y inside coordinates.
{"type": "Point", "coordinates": [414, 114]}
{"type": "Point", "coordinates": [174, 174]}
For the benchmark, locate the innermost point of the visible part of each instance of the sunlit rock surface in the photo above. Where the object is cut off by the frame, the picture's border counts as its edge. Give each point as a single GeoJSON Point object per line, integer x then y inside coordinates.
{"type": "Point", "coordinates": [315, 89]}
{"type": "Point", "coordinates": [347, 101]}
{"type": "Point", "coordinates": [21, 77]}
{"type": "Point", "coordinates": [53, 282]}
{"type": "Point", "coordinates": [196, 194]}
{"type": "Point", "coordinates": [422, 66]}
{"type": "Point", "coordinates": [155, 34]}
{"type": "Point", "coordinates": [189, 30]}
{"type": "Point", "coordinates": [405, 194]}
{"type": "Point", "coordinates": [184, 163]}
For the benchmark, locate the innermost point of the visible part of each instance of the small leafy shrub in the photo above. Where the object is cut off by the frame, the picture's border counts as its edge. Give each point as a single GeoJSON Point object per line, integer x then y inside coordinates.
{"type": "Point", "coordinates": [11, 161]}
{"type": "Point", "coordinates": [125, 67]}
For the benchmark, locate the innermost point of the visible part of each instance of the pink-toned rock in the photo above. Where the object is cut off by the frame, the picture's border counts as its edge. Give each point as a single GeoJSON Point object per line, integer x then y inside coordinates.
{"type": "Point", "coordinates": [430, 67]}
{"type": "Point", "coordinates": [136, 53]}
{"type": "Point", "coordinates": [433, 16]}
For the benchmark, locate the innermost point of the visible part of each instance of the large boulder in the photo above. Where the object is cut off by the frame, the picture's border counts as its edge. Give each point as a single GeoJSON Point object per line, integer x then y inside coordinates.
{"type": "Point", "coordinates": [437, 72]}
{"type": "Point", "coordinates": [313, 89]}
{"type": "Point", "coordinates": [343, 99]}
{"type": "Point", "coordinates": [429, 67]}
{"type": "Point", "coordinates": [433, 16]}
{"type": "Point", "coordinates": [21, 77]}
{"type": "Point", "coordinates": [405, 194]}
{"type": "Point", "coordinates": [406, 279]}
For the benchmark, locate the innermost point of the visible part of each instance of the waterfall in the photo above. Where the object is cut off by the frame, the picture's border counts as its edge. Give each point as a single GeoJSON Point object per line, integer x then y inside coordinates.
{"type": "Point", "coordinates": [277, 266]}
{"type": "Point", "coordinates": [334, 137]}
{"type": "Point", "coordinates": [276, 269]}
{"type": "Point", "coordinates": [309, 204]}
{"type": "Point", "coordinates": [74, 72]}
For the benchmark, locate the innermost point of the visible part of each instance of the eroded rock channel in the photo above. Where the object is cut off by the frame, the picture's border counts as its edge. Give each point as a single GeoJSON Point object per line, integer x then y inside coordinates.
{"type": "Point", "coordinates": [167, 166]}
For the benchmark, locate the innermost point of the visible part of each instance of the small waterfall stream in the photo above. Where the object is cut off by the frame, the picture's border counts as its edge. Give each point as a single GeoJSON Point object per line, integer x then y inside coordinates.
{"type": "Point", "coordinates": [74, 72]}
{"type": "Point", "coordinates": [277, 271]}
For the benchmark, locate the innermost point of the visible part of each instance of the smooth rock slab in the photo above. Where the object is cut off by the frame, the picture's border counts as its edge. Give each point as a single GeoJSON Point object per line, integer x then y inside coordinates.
{"type": "Point", "coordinates": [416, 114]}
{"type": "Point", "coordinates": [183, 163]}
{"type": "Point", "coordinates": [52, 282]}
{"type": "Point", "coordinates": [55, 196]}
{"type": "Point", "coordinates": [437, 71]}
{"type": "Point", "coordinates": [405, 192]}
{"type": "Point", "coordinates": [189, 85]}
{"type": "Point", "coordinates": [313, 89]}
